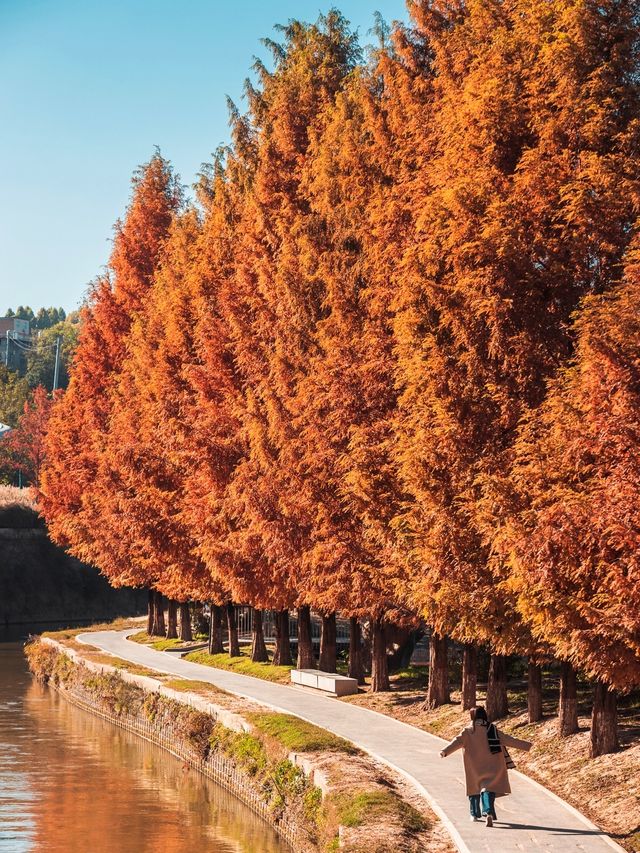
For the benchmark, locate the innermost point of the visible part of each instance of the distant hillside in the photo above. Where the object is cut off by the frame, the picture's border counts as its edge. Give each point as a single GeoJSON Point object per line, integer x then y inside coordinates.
{"type": "Point", "coordinates": [39, 582]}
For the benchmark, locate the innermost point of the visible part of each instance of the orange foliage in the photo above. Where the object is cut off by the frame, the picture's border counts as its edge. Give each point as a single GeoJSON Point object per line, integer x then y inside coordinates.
{"type": "Point", "coordinates": [23, 449]}
{"type": "Point", "coordinates": [574, 537]}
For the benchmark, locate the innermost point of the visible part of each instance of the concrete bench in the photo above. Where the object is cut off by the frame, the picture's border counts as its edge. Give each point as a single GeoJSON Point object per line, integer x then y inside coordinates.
{"type": "Point", "coordinates": [328, 682]}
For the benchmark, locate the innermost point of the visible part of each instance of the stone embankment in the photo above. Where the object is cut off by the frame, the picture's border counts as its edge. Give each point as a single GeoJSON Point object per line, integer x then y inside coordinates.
{"type": "Point", "coordinates": [41, 583]}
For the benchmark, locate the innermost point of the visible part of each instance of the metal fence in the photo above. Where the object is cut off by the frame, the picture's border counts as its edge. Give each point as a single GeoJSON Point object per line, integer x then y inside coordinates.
{"type": "Point", "coordinates": [244, 618]}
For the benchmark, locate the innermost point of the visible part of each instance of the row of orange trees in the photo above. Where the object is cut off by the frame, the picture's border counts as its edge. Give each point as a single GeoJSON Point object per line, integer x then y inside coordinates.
{"type": "Point", "coordinates": [387, 364]}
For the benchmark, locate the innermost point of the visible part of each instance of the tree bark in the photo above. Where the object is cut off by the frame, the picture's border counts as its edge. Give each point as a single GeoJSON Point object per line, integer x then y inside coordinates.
{"type": "Point", "coordinates": [356, 669]}
{"type": "Point", "coordinates": [497, 702]}
{"type": "Point", "coordinates": [232, 629]}
{"type": "Point", "coordinates": [379, 665]}
{"type": "Point", "coordinates": [568, 703]}
{"type": "Point", "coordinates": [216, 646]}
{"type": "Point", "coordinates": [534, 691]}
{"type": "Point", "coordinates": [306, 658]}
{"type": "Point", "coordinates": [258, 645]}
{"type": "Point", "coordinates": [151, 613]}
{"type": "Point", "coordinates": [469, 676]}
{"type": "Point", "coordinates": [604, 721]}
{"type": "Point", "coordinates": [328, 643]}
{"type": "Point", "coordinates": [282, 653]}
{"type": "Point", "coordinates": [172, 619]}
{"type": "Point", "coordinates": [438, 689]}
{"type": "Point", "coordinates": [159, 626]}
{"type": "Point", "coordinates": [184, 623]}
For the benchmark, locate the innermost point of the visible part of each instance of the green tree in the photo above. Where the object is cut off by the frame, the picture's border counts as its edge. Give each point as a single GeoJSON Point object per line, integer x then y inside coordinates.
{"type": "Point", "coordinates": [41, 360]}
{"type": "Point", "coordinates": [48, 317]}
{"type": "Point", "coordinates": [14, 393]}
{"type": "Point", "coordinates": [24, 313]}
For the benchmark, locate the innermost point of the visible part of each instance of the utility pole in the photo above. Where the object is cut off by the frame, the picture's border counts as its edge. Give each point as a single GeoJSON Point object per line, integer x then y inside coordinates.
{"type": "Point", "coordinates": [6, 355]}
{"type": "Point", "coordinates": [56, 369]}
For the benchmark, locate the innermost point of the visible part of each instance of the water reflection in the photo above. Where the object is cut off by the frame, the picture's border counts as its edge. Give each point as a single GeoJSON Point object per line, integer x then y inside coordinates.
{"type": "Point", "coordinates": [72, 783]}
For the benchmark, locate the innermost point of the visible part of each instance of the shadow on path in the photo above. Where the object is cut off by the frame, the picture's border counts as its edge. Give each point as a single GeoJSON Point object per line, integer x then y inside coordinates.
{"type": "Point", "coordinates": [504, 824]}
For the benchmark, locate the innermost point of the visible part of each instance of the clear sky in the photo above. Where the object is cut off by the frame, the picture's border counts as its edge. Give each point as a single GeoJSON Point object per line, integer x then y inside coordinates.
{"type": "Point", "coordinates": [89, 88]}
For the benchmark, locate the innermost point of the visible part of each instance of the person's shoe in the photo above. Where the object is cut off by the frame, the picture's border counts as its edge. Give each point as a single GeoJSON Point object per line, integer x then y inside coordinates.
{"type": "Point", "coordinates": [489, 820]}
{"type": "Point", "coordinates": [474, 819]}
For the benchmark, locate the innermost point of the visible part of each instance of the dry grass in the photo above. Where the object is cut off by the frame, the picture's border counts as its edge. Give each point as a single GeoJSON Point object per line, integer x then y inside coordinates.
{"type": "Point", "coordinates": [120, 624]}
{"type": "Point", "coordinates": [606, 789]}
{"type": "Point", "coordinates": [13, 496]}
{"type": "Point", "coordinates": [18, 509]}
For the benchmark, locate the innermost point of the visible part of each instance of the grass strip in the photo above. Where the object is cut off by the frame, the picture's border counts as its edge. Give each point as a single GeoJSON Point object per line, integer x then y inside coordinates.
{"type": "Point", "coordinates": [186, 685]}
{"type": "Point", "coordinates": [298, 735]}
{"type": "Point", "coordinates": [242, 665]}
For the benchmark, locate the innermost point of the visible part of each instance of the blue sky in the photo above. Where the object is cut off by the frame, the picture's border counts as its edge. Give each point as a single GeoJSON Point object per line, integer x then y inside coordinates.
{"type": "Point", "coordinates": [89, 88]}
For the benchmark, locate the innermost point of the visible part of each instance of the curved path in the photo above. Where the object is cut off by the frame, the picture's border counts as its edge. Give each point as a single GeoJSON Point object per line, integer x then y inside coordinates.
{"type": "Point", "coordinates": [531, 819]}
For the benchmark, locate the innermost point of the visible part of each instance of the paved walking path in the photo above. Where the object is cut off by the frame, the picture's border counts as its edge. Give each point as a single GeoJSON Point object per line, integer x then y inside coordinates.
{"type": "Point", "coordinates": [531, 819]}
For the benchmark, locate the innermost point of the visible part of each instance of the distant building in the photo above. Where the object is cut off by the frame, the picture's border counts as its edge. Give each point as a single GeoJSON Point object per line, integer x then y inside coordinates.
{"type": "Point", "coordinates": [15, 334]}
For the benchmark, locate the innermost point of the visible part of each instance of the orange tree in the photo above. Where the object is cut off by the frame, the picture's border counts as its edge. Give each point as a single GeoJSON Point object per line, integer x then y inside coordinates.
{"type": "Point", "coordinates": [524, 135]}
{"type": "Point", "coordinates": [346, 398]}
{"type": "Point", "coordinates": [78, 481]}
{"type": "Point", "coordinates": [148, 439]}
{"type": "Point", "coordinates": [573, 537]}
{"type": "Point", "coordinates": [272, 307]}
{"type": "Point", "coordinates": [23, 449]}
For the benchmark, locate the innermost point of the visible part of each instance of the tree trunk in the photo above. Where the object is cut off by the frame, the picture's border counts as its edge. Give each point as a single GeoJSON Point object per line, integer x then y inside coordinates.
{"type": "Point", "coordinates": [258, 646]}
{"type": "Point", "coordinates": [216, 646]}
{"type": "Point", "coordinates": [366, 644]}
{"type": "Point", "coordinates": [534, 691]}
{"type": "Point", "coordinates": [469, 676]}
{"type": "Point", "coordinates": [232, 629]}
{"type": "Point", "coordinates": [568, 704]}
{"type": "Point", "coordinates": [172, 619]}
{"type": "Point", "coordinates": [184, 623]}
{"type": "Point", "coordinates": [159, 626]}
{"type": "Point", "coordinates": [438, 689]}
{"type": "Point", "coordinates": [282, 653]}
{"type": "Point", "coordinates": [328, 643]}
{"type": "Point", "coordinates": [497, 702]}
{"type": "Point", "coordinates": [379, 667]}
{"type": "Point", "coordinates": [306, 658]}
{"type": "Point", "coordinates": [604, 721]}
{"type": "Point", "coordinates": [356, 670]}
{"type": "Point", "coordinates": [150, 613]}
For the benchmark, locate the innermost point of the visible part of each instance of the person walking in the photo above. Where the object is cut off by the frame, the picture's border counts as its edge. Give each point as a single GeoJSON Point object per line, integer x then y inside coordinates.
{"type": "Point", "coordinates": [485, 763]}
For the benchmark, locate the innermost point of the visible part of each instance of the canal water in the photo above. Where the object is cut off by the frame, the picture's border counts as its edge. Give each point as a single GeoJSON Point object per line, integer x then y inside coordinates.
{"type": "Point", "coordinates": [72, 783]}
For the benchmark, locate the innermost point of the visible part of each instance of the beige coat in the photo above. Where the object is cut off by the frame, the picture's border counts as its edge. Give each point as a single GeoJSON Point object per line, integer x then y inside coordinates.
{"type": "Point", "coordinates": [482, 768]}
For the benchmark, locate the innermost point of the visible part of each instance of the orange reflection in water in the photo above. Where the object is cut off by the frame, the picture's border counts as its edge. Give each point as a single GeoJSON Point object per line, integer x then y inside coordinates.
{"type": "Point", "coordinates": [72, 783]}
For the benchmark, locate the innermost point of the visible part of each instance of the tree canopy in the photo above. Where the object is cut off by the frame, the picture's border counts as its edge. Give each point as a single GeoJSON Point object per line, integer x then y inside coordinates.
{"type": "Point", "coordinates": [386, 362]}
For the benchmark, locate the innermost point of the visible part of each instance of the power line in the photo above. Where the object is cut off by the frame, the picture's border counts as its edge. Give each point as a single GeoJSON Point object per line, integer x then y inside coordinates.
{"type": "Point", "coordinates": [30, 347]}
